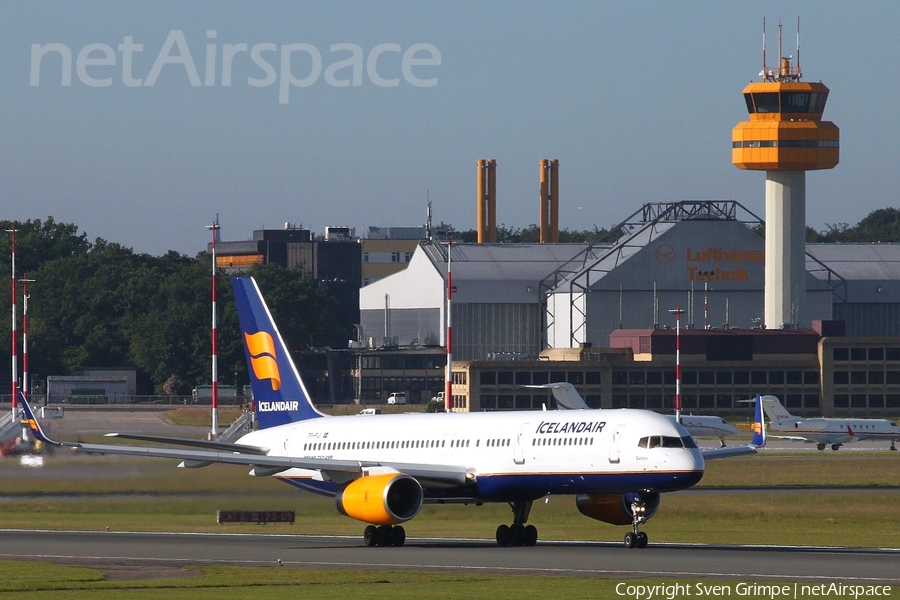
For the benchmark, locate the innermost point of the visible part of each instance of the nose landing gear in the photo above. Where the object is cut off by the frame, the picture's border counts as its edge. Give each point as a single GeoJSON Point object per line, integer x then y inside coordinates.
{"type": "Point", "coordinates": [636, 538]}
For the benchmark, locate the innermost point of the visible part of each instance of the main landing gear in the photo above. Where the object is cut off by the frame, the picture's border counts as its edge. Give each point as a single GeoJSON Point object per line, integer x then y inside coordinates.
{"type": "Point", "coordinates": [518, 534]}
{"type": "Point", "coordinates": [384, 535]}
{"type": "Point", "coordinates": [635, 538]}
{"type": "Point", "coordinates": [834, 447]}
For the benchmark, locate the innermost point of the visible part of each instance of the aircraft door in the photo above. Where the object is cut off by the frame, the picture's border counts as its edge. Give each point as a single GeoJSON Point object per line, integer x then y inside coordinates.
{"type": "Point", "coordinates": [614, 444]}
{"type": "Point", "coordinates": [519, 444]}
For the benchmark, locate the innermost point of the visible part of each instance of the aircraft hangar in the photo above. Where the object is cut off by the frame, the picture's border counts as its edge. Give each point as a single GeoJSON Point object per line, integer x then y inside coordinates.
{"type": "Point", "coordinates": [516, 308]}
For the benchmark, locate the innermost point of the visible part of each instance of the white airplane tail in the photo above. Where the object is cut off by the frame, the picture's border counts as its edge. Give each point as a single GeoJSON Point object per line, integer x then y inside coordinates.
{"type": "Point", "coordinates": [567, 397]}
{"type": "Point", "coordinates": [774, 410]}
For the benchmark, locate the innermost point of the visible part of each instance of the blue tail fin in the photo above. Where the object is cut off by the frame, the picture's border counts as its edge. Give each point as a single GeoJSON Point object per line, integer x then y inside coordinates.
{"type": "Point", "coordinates": [32, 422]}
{"type": "Point", "coordinates": [759, 425]}
{"type": "Point", "coordinates": [278, 391]}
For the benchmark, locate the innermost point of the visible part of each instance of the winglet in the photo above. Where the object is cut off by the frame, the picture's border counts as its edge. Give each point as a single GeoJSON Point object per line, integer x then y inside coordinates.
{"type": "Point", "coordinates": [33, 424]}
{"type": "Point", "coordinates": [759, 425]}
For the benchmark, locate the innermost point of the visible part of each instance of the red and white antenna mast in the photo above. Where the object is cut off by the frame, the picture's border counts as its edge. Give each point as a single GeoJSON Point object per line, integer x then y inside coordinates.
{"type": "Point", "coordinates": [214, 432]}
{"type": "Point", "coordinates": [15, 364]}
{"type": "Point", "coordinates": [25, 380]}
{"type": "Point", "coordinates": [25, 387]}
{"type": "Point", "coordinates": [677, 312]}
{"type": "Point", "coordinates": [448, 392]}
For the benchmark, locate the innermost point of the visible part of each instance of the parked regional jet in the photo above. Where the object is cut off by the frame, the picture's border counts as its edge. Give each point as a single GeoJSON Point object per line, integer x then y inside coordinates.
{"type": "Point", "coordinates": [568, 398]}
{"type": "Point", "coordinates": [382, 469]}
{"type": "Point", "coordinates": [823, 431]}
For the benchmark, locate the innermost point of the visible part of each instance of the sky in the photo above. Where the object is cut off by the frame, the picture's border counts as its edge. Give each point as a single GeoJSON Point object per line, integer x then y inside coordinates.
{"type": "Point", "coordinates": [356, 113]}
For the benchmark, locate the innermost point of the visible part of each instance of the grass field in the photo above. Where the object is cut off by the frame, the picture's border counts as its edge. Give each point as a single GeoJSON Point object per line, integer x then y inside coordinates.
{"type": "Point", "coordinates": [127, 494]}
{"type": "Point", "coordinates": [43, 580]}
{"type": "Point", "coordinates": [93, 493]}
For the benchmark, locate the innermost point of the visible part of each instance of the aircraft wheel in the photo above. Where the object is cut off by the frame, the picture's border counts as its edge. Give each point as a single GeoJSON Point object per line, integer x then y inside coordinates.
{"type": "Point", "coordinates": [516, 535]}
{"type": "Point", "coordinates": [503, 535]}
{"type": "Point", "coordinates": [642, 539]}
{"type": "Point", "coordinates": [893, 448]}
{"type": "Point", "coordinates": [630, 540]}
{"type": "Point", "coordinates": [820, 446]}
{"type": "Point", "coordinates": [398, 536]}
{"type": "Point", "coordinates": [530, 535]}
{"type": "Point", "coordinates": [370, 535]}
{"type": "Point", "coordinates": [383, 535]}
{"type": "Point", "coordinates": [835, 447]}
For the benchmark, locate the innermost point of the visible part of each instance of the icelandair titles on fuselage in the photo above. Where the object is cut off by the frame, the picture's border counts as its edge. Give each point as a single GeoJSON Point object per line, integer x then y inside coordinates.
{"type": "Point", "coordinates": [579, 427]}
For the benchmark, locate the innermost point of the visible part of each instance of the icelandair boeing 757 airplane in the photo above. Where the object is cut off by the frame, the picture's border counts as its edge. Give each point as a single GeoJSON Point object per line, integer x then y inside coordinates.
{"type": "Point", "coordinates": [382, 469]}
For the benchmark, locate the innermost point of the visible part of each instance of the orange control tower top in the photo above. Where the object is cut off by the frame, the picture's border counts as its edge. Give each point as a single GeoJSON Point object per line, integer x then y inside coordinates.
{"type": "Point", "coordinates": [785, 130]}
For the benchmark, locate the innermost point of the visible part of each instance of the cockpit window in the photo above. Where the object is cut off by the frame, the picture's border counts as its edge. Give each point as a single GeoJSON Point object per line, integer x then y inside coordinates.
{"type": "Point", "coordinates": [666, 441]}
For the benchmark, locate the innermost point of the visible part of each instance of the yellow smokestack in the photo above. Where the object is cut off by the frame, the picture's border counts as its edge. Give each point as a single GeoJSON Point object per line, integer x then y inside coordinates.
{"type": "Point", "coordinates": [486, 192]}
{"type": "Point", "coordinates": [549, 199]}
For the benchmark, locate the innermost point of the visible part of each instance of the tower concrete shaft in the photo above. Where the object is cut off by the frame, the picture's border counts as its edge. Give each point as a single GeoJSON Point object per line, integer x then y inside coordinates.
{"type": "Point", "coordinates": [785, 293]}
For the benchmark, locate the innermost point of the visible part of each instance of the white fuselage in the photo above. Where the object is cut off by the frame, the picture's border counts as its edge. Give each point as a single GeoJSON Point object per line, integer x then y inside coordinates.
{"type": "Point", "coordinates": [707, 426]}
{"type": "Point", "coordinates": [827, 430]}
{"type": "Point", "coordinates": [508, 453]}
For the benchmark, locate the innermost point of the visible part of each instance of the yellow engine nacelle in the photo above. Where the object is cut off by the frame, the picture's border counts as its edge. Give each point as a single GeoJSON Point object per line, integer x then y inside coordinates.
{"type": "Point", "coordinates": [616, 508]}
{"type": "Point", "coordinates": [385, 499]}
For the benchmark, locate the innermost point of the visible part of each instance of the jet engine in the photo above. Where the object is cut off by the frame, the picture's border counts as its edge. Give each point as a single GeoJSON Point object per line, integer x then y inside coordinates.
{"type": "Point", "coordinates": [385, 499]}
{"type": "Point", "coordinates": [616, 508]}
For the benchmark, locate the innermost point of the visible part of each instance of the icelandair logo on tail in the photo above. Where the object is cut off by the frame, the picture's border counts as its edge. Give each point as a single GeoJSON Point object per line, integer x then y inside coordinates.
{"type": "Point", "coordinates": [262, 356]}
{"type": "Point", "coordinates": [278, 406]}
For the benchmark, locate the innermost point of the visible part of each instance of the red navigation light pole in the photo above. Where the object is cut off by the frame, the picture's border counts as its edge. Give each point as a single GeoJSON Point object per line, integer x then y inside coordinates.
{"type": "Point", "coordinates": [677, 312]}
{"type": "Point", "coordinates": [15, 364]}
{"type": "Point", "coordinates": [448, 392]}
{"type": "Point", "coordinates": [214, 433]}
{"type": "Point", "coordinates": [25, 387]}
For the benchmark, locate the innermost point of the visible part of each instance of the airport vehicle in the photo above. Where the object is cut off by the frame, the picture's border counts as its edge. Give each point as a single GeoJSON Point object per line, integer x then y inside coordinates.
{"type": "Point", "coordinates": [397, 398]}
{"type": "Point", "coordinates": [567, 397]}
{"type": "Point", "coordinates": [382, 470]}
{"type": "Point", "coordinates": [824, 431]}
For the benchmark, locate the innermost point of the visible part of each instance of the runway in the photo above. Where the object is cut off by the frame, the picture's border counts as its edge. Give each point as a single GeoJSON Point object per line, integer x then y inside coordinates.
{"type": "Point", "coordinates": [154, 551]}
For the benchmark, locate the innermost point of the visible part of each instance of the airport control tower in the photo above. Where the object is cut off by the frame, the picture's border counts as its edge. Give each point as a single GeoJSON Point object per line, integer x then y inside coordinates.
{"type": "Point", "coordinates": [785, 137]}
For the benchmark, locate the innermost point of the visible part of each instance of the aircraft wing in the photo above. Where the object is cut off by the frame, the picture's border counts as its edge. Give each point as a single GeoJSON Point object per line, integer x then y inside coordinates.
{"type": "Point", "coordinates": [711, 453]}
{"type": "Point", "coordinates": [339, 471]}
{"type": "Point", "coordinates": [793, 438]}
{"type": "Point", "coordinates": [210, 445]}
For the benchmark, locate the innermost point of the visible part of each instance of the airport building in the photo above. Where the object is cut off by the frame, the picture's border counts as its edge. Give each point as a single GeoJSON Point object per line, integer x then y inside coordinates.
{"type": "Point", "coordinates": [598, 316]}
{"type": "Point", "coordinates": [818, 325]}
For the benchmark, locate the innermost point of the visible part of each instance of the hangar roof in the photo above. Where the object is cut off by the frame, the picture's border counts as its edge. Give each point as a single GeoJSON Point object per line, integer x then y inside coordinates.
{"type": "Point", "coordinates": [504, 262]}
{"type": "Point", "coordinates": [858, 261]}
